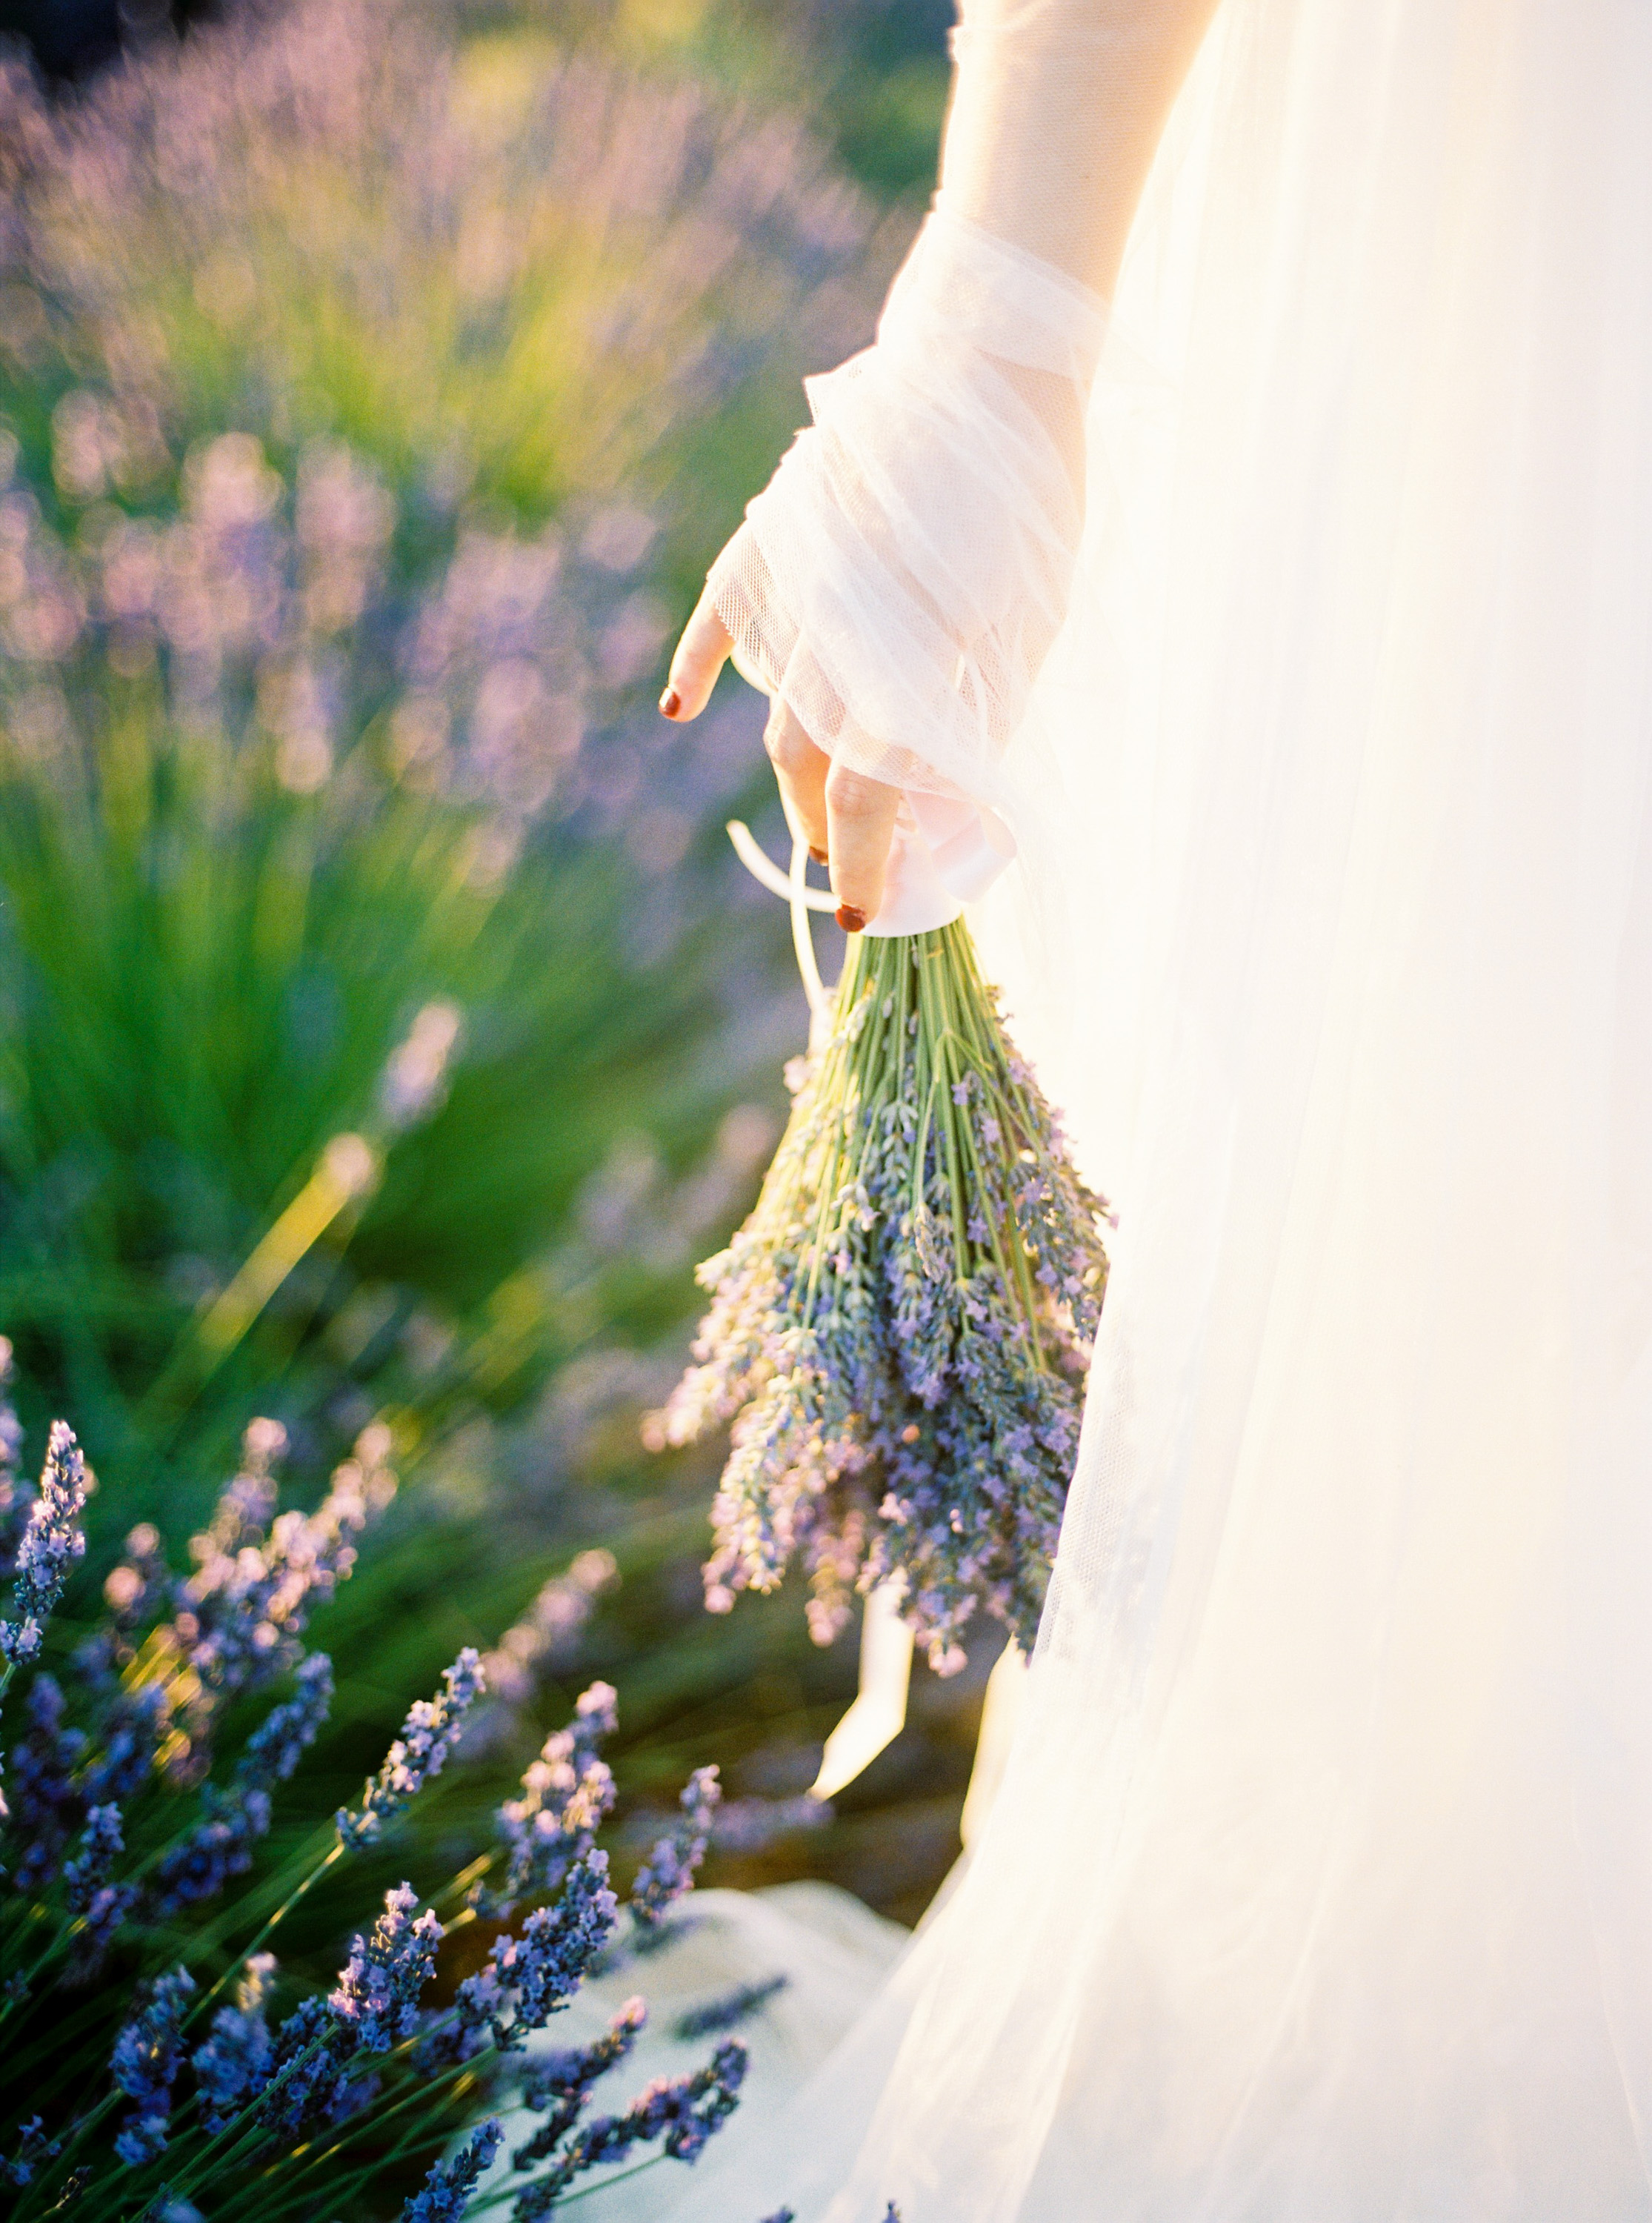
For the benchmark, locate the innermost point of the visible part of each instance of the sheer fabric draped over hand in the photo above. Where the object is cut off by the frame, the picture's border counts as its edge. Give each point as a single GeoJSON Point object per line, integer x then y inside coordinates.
{"type": "Point", "coordinates": [900, 582]}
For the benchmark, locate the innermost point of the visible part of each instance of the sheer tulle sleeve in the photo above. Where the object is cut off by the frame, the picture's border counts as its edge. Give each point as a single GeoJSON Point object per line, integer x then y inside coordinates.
{"type": "Point", "coordinates": [900, 581]}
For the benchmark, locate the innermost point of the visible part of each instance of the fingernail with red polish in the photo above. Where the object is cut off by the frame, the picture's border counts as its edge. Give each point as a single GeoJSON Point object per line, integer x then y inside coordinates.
{"type": "Point", "coordinates": [671, 703]}
{"type": "Point", "coordinates": [819, 855]}
{"type": "Point", "coordinates": [850, 918]}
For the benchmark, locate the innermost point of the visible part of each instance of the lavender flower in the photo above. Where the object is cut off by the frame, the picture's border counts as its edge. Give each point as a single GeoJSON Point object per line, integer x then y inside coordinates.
{"type": "Point", "coordinates": [566, 1794]}
{"type": "Point", "coordinates": [596, 1715]}
{"type": "Point", "coordinates": [279, 1741]}
{"type": "Point", "coordinates": [129, 1739]}
{"type": "Point", "coordinates": [682, 2112]}
{"type": "Point", "coordinates": [86, 1886]}
{"type": "Point", "coordinates": [233, 2065]}
{"type": "Point", "coordinates": [133, 1590]}
{"type": "Point", "coordinates": [101, 1844]}
{"type": "Point", "coordinates": [900, 1331]}
{"type": "Point", "coordinates": [319, 2066]}
{"type": "Point", "coordinates": [449, 2184]}
{"type": "Point", "coordinates": [414, 1081]}
{"type": "Point", "coordinates": [240, 1614]}
{"type": "Point", "coordinates": [145, 2065]}
{"type": "Point", "coordinates": [332, 138]}
{"type": "Point", "coordinates": [46, 1804]}
{"type": "Point", "coordinates": [379, 1986]}
{"type": "Point", "coordinates": [218, 1847]}
{"type": "Point", "coordinates": [729, 2011]}
{"type": "Point", "coordinates": [558, 2085]}
{"type": "Point", "coordinates": [669, 1869]}
{"type": "Point", "coordinates": [529, 1976]}
{"type": "Point", "coordinates": [750, 1825]}
{"type": "Point", "coordinates": [34, 2151]}
{"type": "Point", "coordinates": [51, 1541]}
{"type": "Point", "coordinates": [310, 2081]}
{"type": "Point", "coordinates": [428, 1735]}
{"type": "Point", "coordinates": [235, 1623]}
{"type": "Point", "coordinates": [549, 1630]}
{"type": "Point", "coordinates": [325, 2063]}
{"type": "Point", "coordinates": [566, 1939]}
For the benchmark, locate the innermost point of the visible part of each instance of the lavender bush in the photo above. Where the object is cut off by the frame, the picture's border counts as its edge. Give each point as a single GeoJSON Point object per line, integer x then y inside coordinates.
{"type": "Point", "coordinates": [373, 381]}
{"type": "Point", "coordinates": [349, 364]}
{"type": "Point", "coordinates": [343, 682]}
{"type": "Point", "coordinates": [505, 265]}
{"type": "Point", "coordinates": [901, 1328]}
{"type": "Point", "coordinates": [175, 2071]}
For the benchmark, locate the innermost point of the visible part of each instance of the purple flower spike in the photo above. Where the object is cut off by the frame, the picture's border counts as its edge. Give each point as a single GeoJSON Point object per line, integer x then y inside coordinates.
{"type": "Point", "coordinates": [669, 1872]}
{"type": "Point", "coordinates": [684, 2112]}
{"type": "Point", "coordinates": [101, 1905]}
{"type": "Point", "coordinates": [219, 1846]}
{"type": "Point", "coordinates": [233, 2066]}
{"type": "Point", "coordinates": [17, 1496]}
{"type": "Point", "coordinates": [565, 1795]}
{"type": "Point", "coordinates": [281, 1739]}
{"type": "Point", "coordinates": [377, 1998]}
{"type": "Point", "coordinates": [320, 2067]}
{"type": "Point", "coordinates": [47, 1800]}
{"type": "Point", "coordinates": [233, 1820]}
{"type": "Point", "coordinates": [558, 2085]}
{"type": "Point", "coordinates": [34, 2151]}
{"type": "Point", "coordinates": [428, 1735]}
{"type": "Point", "coordinates": [145, 2065]}
{"type": "Point", "coordinates": [531, 1976]}
{"type": "Point", "coordinates": [52, 1542]}
{"type": "Point", "coordinates": [450, 2183]}
{"type": "Point", "coordinates": [729, 2010]}
{"type": "Point", "coordinates": [240, 1615]}
{"type": "Point", "coordinates": [131, 1736]}
{"type": "Point", "coordinates": [312, 2049]}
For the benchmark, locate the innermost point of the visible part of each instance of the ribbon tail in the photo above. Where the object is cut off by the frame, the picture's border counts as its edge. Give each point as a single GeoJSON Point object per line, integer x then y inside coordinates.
{"type": "Point", "coordinates": [762, 867]}
{"type": "Point", "coordinates": [879, 1712]}
{"type": "Point", "coordinates": [803, 938]}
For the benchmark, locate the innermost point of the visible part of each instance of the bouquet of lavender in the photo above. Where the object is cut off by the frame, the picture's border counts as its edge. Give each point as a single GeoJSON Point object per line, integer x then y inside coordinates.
{"type": "Point", "coordinates": [901, 1330]}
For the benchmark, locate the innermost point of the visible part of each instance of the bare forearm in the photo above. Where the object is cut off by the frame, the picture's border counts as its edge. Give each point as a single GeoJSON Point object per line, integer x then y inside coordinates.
{"type": "Point", "coordinates": [1056, 111]}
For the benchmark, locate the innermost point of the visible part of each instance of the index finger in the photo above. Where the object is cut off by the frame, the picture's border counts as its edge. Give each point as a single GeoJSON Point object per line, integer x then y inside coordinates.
{"type": "Point", "coordinates": [700, 655]}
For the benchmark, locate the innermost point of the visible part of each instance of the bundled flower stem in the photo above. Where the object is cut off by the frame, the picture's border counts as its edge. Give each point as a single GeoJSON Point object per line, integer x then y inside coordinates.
{"type": "Point", "coordinates": [901, 1330]}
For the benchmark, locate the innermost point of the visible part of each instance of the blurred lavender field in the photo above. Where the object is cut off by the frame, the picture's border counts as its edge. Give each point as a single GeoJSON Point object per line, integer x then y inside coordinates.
{"type": "Point", "coordinates": [386, 1025]}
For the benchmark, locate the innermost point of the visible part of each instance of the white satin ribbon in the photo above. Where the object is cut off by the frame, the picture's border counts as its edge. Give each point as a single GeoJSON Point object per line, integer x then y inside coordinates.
{"type": "Point", "coordinates": [879, 1713]}
{"type": "Point", "coordinates": [947, 852]}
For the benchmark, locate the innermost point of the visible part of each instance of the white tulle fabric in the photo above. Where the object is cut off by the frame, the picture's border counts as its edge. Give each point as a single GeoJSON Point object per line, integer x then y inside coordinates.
{"type": "Point", "coordinates": [900, 581]}
{"type": "Point", "coordinates": [1320, 1888]}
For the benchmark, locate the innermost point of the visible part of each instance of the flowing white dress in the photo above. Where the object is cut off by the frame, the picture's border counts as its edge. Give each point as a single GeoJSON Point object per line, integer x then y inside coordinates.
{"type": "Point", "coordinates": [1320, 1887]}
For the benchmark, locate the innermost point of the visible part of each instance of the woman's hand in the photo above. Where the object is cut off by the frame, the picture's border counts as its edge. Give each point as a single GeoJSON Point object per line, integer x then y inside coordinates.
{"type": "Point", "coordinates": [847, 819]}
